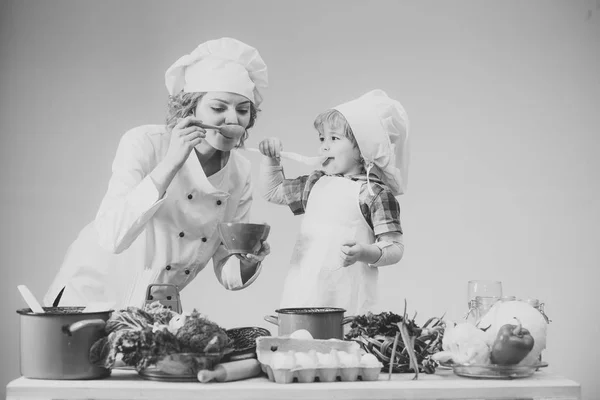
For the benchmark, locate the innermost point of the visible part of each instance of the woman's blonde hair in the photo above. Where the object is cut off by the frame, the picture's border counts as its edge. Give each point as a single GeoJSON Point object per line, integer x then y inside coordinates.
{"type": "Point", "coordinates": [184, 104]}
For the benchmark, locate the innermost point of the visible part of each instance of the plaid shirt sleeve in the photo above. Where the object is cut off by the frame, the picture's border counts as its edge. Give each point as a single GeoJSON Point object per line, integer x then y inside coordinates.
{"type": "Point", "coordinates": [297, 190]}
{"type": "Point", "coordinates": [381, 210]}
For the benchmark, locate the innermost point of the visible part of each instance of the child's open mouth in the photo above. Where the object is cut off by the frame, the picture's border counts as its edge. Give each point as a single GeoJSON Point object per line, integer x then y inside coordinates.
{"type": "Point", "coordinates": [327, 160]}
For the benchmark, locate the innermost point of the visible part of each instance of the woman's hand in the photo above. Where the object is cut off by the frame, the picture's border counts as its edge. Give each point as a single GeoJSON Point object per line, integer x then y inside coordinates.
{"type": "Point", "coordinates": [184, 137]}
{"type": "Point", "coordinates": [271, 147]}
{"type": "Point", "coordinates": [264, 251]}
{"type": "Point", "coordinates": [249, 262]}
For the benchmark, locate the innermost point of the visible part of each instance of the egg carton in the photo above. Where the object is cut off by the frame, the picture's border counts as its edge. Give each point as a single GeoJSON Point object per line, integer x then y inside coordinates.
{"type": "Point", "coordinates": [267, 346]}
{"type": "Point", "coordinates": [343, 374]}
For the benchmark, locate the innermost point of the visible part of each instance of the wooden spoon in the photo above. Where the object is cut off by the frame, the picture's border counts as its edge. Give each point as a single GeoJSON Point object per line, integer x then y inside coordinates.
{"type": "Point", "coordinates": [312, 161]}
{"type": "Point", "coordinates": [30, 299]}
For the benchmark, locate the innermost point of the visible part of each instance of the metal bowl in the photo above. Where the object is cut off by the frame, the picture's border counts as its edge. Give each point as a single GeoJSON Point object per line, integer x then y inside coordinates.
{"type": "Point", "coordinates": [243, 238]}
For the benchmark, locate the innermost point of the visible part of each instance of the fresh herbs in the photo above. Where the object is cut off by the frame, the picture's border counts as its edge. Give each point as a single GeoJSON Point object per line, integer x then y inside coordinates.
{"type": "Point", "coordinates": [371, 325]}
{"type": "Point", "coordinates": [397, 341]}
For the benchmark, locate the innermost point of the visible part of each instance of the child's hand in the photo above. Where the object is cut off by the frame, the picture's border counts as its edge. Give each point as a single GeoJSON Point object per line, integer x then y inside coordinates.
{"type": "Point", "coordinates": [351, 252]}
{"type": "Point", "coordinates": [270, 147]}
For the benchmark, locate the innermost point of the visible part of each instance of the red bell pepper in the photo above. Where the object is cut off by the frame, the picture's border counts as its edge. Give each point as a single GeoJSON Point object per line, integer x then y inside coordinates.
{"type": "Point", "coordinates": [512, 344]}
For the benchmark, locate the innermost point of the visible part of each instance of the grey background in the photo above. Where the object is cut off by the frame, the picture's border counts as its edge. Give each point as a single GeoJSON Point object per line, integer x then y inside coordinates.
{"type": "Point", "coordinates": [503, 98]}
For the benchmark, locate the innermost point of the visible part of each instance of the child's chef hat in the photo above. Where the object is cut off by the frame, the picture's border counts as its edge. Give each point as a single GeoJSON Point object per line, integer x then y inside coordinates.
{"type": "Point", "coordinates": [380, 126]}
{"type": "Point", "coordinates": [222, 65]}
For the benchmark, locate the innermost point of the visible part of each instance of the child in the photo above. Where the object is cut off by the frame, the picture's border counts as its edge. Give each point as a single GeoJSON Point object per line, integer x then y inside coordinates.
{"type": "Point", "coordinates": [351, 221]}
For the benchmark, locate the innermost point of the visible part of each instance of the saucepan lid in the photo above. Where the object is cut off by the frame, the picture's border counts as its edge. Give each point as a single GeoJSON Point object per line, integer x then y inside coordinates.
{"type": "Point", "coordinates": [310, 310]}
{"type": "Point", "coordinates": [53, 311]}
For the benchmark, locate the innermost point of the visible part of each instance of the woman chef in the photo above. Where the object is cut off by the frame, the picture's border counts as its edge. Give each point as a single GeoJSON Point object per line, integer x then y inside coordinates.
{"type": "Point", "coordinates": [170, 187]}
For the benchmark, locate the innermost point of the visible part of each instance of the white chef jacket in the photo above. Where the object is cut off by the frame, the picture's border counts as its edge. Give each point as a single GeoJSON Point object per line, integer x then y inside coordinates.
{"type": "Point", "coordinates": [138, 238]}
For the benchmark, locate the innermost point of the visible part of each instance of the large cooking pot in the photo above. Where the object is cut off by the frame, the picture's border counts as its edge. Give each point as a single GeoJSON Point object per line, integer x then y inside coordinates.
{"type": "Point", "coordinates": [56, 344]}
{"type": "Point", "coordinates": [321, 322]}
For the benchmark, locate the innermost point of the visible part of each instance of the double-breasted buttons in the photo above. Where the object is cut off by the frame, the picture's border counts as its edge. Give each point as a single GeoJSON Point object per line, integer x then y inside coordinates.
{"type": "Point", "coordinates": [219, 202]}
{"type": "Point", "coordinates": [187, 271]}
{"type": "Point", "coordinates": [168, 267]}
{"type": "Point", "coordinates": [204, 239]}
{"type": "Point", "coordinates": [181, 234]}
{"type": "Point", "coordinates": [190, 196]}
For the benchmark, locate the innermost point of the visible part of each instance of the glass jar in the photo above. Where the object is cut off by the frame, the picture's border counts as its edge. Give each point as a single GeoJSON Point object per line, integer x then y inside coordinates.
{"type": "Point", "coordinates": [479, 307]}
{"type": "Point", "coordinates": [535, 303]}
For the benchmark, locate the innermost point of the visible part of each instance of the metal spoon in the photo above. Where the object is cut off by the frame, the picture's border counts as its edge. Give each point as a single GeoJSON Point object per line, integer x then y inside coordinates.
{"type": "Point", "coordinates": [311, 161]}
{"type": "Point", "coordinates": [30, 299]}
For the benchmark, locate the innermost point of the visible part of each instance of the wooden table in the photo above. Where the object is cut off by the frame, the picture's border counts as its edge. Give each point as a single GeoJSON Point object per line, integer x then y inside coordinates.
{"type": "Point", "coordinates": [441, 385]}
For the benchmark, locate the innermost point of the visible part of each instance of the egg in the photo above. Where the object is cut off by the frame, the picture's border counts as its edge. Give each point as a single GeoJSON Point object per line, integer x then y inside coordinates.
{"type": "Point", "coordinates": [283, 360]}
{"type": "Point", "coordinates": [301, 334]}
{"type": "Point", "coordinates": [369, 360]}
{"type": "Point", "coordinates": [348, 359]}
{"type": "Point", "coordinates": [328, 360]}
{"type": "Point", "coordinates": [306, 360]}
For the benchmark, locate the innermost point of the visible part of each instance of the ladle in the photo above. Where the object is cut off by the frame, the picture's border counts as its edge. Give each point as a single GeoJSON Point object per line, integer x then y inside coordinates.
{"type": "Point", "coordinates": [30, 299]}
{"type": "Point", "coordinates": [230, 131]}
{"type": "Point", "coordinates": [312, 161]}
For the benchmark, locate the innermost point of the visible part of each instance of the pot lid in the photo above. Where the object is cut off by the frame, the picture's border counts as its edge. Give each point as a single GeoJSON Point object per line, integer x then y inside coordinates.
{"type": "Point", "coordinates": [310, 310]}
{"type": "Point", "coordinates": [49, 311]}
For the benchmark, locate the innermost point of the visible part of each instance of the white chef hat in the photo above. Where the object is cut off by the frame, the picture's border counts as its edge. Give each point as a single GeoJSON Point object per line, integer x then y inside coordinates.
{"type": "Point", "coordinates": [222, 65]}
{"type": "Point", "coordinates": [380, 126]}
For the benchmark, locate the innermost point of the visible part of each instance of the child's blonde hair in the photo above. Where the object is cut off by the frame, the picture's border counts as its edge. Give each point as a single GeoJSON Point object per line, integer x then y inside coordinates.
{"type": "Point", "coordinates": [184, 104]}
{"type": "Point", "coordinates": [334, 119]}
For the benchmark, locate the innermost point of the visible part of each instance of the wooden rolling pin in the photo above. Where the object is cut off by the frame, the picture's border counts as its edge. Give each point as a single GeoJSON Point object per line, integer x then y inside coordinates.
{"type": "Point", "coordinates": [231, 371]}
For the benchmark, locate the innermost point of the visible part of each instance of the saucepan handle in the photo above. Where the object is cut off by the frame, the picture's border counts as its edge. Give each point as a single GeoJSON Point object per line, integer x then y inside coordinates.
{"type": "Point", "coordinates": [76, 326]}
{"type": "Point", "coordinates": [272, 319]}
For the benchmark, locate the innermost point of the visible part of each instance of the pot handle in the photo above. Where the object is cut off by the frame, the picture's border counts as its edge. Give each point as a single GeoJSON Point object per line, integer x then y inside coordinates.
{"type": "Point", "coordinates": [348, 319]}
{"type": "Point", "coordinates": [74, 327]}
{"type": "Point", "coordinates": [272, 319]}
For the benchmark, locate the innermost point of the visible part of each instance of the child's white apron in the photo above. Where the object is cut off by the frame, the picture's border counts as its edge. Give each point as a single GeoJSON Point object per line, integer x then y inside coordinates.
{"type": "Point", "coordinates": [316, 277]}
